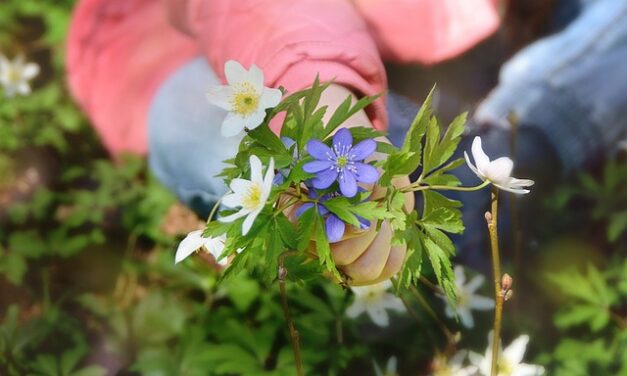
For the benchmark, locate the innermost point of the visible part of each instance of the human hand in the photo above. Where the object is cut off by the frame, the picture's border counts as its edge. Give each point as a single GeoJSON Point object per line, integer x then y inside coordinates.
{"type": "Point", "coordinates": [366, 256]}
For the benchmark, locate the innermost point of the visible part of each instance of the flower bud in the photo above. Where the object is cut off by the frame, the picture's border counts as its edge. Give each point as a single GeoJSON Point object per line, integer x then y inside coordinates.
{"type": "Point", "coordinates": [508, 295]}
{"type": "Point", "coordinates": [506, 282]}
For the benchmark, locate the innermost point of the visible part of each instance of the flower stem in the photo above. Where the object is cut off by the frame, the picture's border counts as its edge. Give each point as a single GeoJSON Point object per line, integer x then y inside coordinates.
{"type": "Point", "coordinates": [215, 208]}
{"type": "Point", "coordinates": [423, 302]}
{"type": "Point", "coordinates": [491, 218]}
{"type": "Point", "coordinates": [418, 187]}
{"type": "Point", "coordinates": [294, 337]}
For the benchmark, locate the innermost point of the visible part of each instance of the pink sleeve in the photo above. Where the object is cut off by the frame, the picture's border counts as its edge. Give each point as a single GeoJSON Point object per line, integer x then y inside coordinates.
{"type": "Point", "coordinates": [291, 41]}
{"type": "Point", "coordinates": [118, 53]}
{"type": "Point", "coordinates": [428, 31]}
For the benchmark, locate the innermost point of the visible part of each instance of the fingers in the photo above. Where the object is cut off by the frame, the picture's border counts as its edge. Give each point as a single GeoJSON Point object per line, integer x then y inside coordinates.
{"type": "Point", "coordinates": [348, 250]}
{"type": "Point", "coordinates": [372, 262]}
{"type": "Point", "coordinates": [393, 264]}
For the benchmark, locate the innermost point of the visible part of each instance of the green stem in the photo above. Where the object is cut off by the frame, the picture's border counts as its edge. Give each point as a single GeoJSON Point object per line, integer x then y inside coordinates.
{"type": "Point", "coordinates": [294, 337]}
{"type": "Point", "coordinates": [417, 187]}
{"type": "Point", "coordinates": [496, 271]}
{"type": "Point", "coordinates": [215, 208]}
{"type": "Point", "coordinates": [423, 302]}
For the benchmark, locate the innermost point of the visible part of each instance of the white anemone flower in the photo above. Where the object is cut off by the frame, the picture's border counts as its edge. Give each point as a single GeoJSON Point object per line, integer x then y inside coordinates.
{"type": "Point", "coordinates": [245, 98]}
{"type": "Point", "coordinates": [467, 300]}
{"type": "Point", "coordinates": [453, 366]}
{"type": "Point", "coordinates": [390, 368]}
{"type": "Point", "coordinates": [251, 195]}
{"type": "Point", "coordinates": [510, 359]}
{"type": "Point", "coordinates": [497, 171]}
{"type": "Point", "coordinates": [374, 300]}
{"type": "Point", "coordinates": [194, 241]}
{"type": "Point", "coordinates": [14, 75]}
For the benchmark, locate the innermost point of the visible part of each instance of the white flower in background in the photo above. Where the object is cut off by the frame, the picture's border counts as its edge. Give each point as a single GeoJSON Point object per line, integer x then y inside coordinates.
{"type": "Point", "coordinates": [195, 241]}
{"type": "Point", "coordinates": [453, 366]}
{"type": "Point", "coordinates": [390, 368]}
{"type": "Point", "coordinates": [467, 300]}
{"type": "Point", "coordinates": [497, 171]}
{"type": "Point", "coordinates": [14, 75]}
{"type": "Point", "coordinates": [245, 98]}
{"type": "Point", "coordinates": [251, 195]}
{"type": "Point", "coordinates": [374, 300]}
{"type": "Point", "coordinates": [509, 359]}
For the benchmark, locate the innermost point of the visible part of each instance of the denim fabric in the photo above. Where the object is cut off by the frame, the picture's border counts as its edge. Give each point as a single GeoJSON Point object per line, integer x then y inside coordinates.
{"type": "Point", "coordinates": [186, 148]}
{"type": "Point", "coordinates": [570, 86]}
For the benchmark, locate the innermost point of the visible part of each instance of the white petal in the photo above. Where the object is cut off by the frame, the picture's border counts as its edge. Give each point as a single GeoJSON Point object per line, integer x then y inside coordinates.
{"type": "Point", "coordinates": [23, 88]}
{"type": "Point", "coordinates": [267, 182]}
{"type": "Point", "coordinates": [270, 97]}
{"type": "Point", "coordinates": [518, 183]}
{"type": "Point", "coordinates": [480, 157]}
{"type": "Point", "coordinates": [391, 366]}
{"type": "Point", "coordinates": [448, 310]}
{"type": "Point", "coordinates": [240, 186]}
{"type": "Point", "coordinates": [234, 72]}
{"type": "Point", "coordinates": [255, 77]}
{"type": "Point", "coordinates": [357, 308]}
{"type": "Point", "coordinates": [248, 222]}
{"type": "Point", "coordinates": [465, 317]}
{"type": "Point", "coordinates": [480, 302]}
{"type": "Point", "coordinates": [255, 169]}
{"type": "Point", "coordinates": [472, 167]}
{"type": "Point", "coordinates": [513, 190]}
{"type": "Point", "coordinates": [475, 358]}
{"type": "Point", "coordinates": [528, 370]}
{"type": "Point", "coordinates": [232, 125]}
{"type": "Point", "coordinates": [216, 247]}
{"type": "Point", "coordinates": [460, 276]}
{"type": "Point", "coordinates": [474, 283]}
{"type": "Point", "coordinates": [255, 119]}
{"type": "Point", "coordinates": [30, 70]}
{"type": "Point", "coordinates": [189, 245]}
{"type": "Point", "coordinates": [234, 216]}
{"type": "Point", "coordinates": [392, 302]}
{"type": "Point", "coordinates": [232, 200]}
{"type": "Point", "coordinates": [384, 285]}
{"type": "Point", "coordinates": [515, 352]}
{"type": "Point", "coordinates": [499, 170]}
{"type": "Point", "coordinates": [220, 95]}
{"type": "Point", "coordinates": [378, 315]}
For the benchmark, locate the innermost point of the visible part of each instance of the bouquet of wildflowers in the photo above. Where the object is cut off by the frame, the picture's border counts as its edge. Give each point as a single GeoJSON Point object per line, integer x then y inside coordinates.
{"type": "Point", "coordinates": [295, 194]}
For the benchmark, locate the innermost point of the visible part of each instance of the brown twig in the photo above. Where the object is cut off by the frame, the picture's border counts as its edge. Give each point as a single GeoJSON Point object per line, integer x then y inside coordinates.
{"type": "Point", "coordinates": [294, 337]}
{"type": "Point", "coordinates": [491, 219]}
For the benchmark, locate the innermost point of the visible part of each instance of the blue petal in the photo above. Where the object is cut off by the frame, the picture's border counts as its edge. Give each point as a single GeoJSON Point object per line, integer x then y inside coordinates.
{"type": "Point", "coordinates": [363, 150]}
{"type": "Point", "coordinates": [319, 150]}
{"type": "Point", "coordinates": [322, 210]}
{"type": "Point", "coordinates": [343, 137]}
{"type": "Point", "coordinates": [303, 208]}
{"type": "Point", "coordinates": [324, 179]}
{"type": "Point", "coordinates": [363, 222]}
{"type": "Point", "coordinates": [316, 166]}
{"type": "Point", "coordinates": [366, 173]}
{"type": "Point", "coordinates": [348, 185]}
{"type": "Point", "coordinates": [334, 228]}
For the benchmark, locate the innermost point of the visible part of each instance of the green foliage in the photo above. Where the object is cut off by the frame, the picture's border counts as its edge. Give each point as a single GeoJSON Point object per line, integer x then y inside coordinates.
{"type": "Point", "coordinates": [594, 300]}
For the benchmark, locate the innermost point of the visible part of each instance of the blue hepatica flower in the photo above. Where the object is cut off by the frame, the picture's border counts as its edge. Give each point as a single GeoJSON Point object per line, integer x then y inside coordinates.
{"type": "Point", "coordinates": [333, 225]}
{"type": "Point", "coordinates": [342, 162]}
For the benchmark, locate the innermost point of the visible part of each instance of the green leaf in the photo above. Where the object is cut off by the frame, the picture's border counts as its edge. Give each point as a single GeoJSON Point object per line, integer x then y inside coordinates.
{"type": "Point", "coordinates": [323, 248]}
{"type": "Point", "coordinates": [416, 132]}
{"type": "Point", "coordinates": [267, 138]}
{"type": "Point", "coordinates": [442, 267]}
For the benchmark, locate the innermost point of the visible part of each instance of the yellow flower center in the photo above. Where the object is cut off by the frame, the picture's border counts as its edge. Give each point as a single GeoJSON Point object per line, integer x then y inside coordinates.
{"type": "Point", "coordinates": [504, 368]}
{"type": "Point", "coordinates": [252, 197]}
{"type": "Point", "coordinates": [341, 161]}
{"type": "Point", "coordinates": [13, 76]}
{"type": "Point", "coordinates": [245, 100]}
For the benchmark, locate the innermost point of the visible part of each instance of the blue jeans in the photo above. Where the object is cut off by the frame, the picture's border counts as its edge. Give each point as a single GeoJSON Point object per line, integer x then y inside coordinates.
{"type": "Point", "coordinates": [571, 87]}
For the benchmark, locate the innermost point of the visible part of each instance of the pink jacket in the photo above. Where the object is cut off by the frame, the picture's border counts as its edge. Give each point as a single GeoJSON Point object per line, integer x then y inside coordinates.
{"type": "Point", "coordinates": [119, 51]}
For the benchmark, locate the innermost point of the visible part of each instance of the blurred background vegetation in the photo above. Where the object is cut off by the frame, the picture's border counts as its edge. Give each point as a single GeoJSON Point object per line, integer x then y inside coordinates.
{"type": "Point", "coordinates": [88, 284]}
